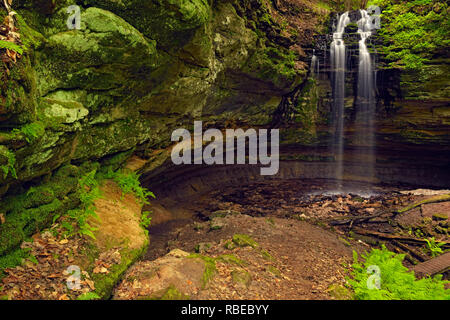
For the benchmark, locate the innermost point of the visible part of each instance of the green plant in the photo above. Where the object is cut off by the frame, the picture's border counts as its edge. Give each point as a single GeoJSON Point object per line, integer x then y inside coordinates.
{"type": "Point", "coordinates": [433, 247]}
{"type": "Point", "coordinates": [11, 46]}
{"type": "Point", "coordinates": [145, 219]}
{"type": "Point", "coordinates": [412, 31]}
{"type": "Point", "coordinates": [396, 282]}
{"type": "Point", "coordinates": [9, 166]}
{"type": "Point", "coordinates": [77, 222]}
{"type": "Point", "coordinates": [30, 131]}
{"type": "Point", "coordinates": [129, 183]}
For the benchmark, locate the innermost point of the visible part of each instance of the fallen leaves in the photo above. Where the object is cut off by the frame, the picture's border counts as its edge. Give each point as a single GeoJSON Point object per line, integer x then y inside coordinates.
{"type": "Point", "coordinates": [44, 274]}
{"type": "Point", "coordinates": [10, 37]}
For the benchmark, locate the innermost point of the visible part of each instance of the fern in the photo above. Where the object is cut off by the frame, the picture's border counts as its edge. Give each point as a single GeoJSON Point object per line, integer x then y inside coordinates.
{"type": "Point", "coordinates": [9, 167]}
{"type": "Point", "coordinates": [31, 131]}
{"type": "Point", "coordinates": [396, 281]}
{"type": "Point", "coordinates": [88, 191]}
{"type": "Point", "coordinates": [11, 46]}
{"type": "Point", "coordinates": [129, 183]}
{"type": "Point", "coordinates": [433, 247]}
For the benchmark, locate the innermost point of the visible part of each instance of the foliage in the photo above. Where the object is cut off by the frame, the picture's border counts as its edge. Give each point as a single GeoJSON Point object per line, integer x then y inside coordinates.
{"type": "Point", "coordinates": [145, 220]}
{"type": "Point", "coordinates": [396, 282]}
{"type": "Point", "coordinates": [413, 31]}
{"type": "Point", "coordinates": [30, 131]}
{"type": "Point", "coordinates": [77, 222]}
{"type": "Point", "coordinates": [14, 258]}
{"type": "Point", "coordinates": [9, 167]}
{"type": "Point", "coordinates": [433, 247]}
{"type": "Point", "coordinates": [129, 183]}
{"type": "Point", "coordinates": [11, 46]}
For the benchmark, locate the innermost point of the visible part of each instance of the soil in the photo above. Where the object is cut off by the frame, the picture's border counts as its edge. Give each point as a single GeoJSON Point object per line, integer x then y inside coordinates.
{"type": "Point", "coordinates": [292, 260]}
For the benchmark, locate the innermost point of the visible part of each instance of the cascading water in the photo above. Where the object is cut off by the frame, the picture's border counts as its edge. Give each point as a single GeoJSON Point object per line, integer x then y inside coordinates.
{"type": "Point", "coordinates": [338, 63]}
{"type": "Point", "coordinates": [365, 102]}
{"type": "Point", "coordinates": [315, 64]}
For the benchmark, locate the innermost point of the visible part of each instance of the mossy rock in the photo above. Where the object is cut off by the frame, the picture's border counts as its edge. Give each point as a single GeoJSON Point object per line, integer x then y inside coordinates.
{"type": "Point", "coordinates": [340, 292]}
{"type": "Point", "coordinates": [244, 240]}
{"type": "Point", "coordinates": [241, 277]}
{"type": "Point", "coordinates": [171, 293]}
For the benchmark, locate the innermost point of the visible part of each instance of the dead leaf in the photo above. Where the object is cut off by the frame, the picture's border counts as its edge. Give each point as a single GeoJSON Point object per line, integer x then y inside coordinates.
{"type": "Point", "coordinates": [90, 283]}
{"type": "Point", "coordinates": [64, 297]}
{"type": "Point", "coordinates": [100, 270]}
{"type": "Point", "coordinates": [2, 218]}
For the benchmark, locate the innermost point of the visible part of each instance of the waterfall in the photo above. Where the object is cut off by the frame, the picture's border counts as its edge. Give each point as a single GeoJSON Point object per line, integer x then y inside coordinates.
{"type": "Point", "coordinates": [365, 101]}
{"type": "Point", "coordinates": [338, 62]}
{"type": "Point", "coordinates": [364, 136]}
{"type": "Point", "coordinates": [314, 65]}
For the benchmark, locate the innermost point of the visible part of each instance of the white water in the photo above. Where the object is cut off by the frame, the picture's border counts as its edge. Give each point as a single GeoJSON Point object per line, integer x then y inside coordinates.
{"type": "Point", "coordinates": [365, 100]}
{"type": "Point", "coordinates": [315, 68]}
{"type": "Point", "coordinates": [338, 62]}
{"type": "Point", "coordinates": [365, 103]}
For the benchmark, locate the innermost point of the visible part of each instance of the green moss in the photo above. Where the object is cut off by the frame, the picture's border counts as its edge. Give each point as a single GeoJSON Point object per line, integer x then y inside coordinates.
{"type": "Point", "coordinates": [13, 259]}
{"type": "Point", "coordinates": [172, 293]}
{"type": "Point", "coordinates": [241, 277]}
{"type": "Point", "coordinates": [275, 64]}
{"type": "Point", "coordinates": [29, 211]}
{"type": "Point", "coordinates": [231, 258]}
{"type": "Point", "coordinates": [7, 162]}
{"type": "Point", "coordinates": [339, 292]}
{"type": "Point", "coordinates": [88, 296]}
{"type": "Point", "coordinates": [210, 267]}
{"type": "Point", "coordinates": [243, 240]}
{"type": "Point", "coordinates": [412, 31]}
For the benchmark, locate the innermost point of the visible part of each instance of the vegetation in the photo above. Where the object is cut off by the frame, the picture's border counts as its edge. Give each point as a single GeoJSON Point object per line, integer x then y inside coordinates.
{"type": "Point", "coordinates": [413, 31]}
{"type": "Point", "coordinates": [434, 248]}
{"type": "Point", "coordinates": [88, 192]}
{"type": "Point", "coordinates": [30, 131]}
{"type": "Point", "coordinates": [11, 46]}
{"type": "Point", "coordinates": [395, 281]}
{"type": "Point", "coordinates": [9, 167]}
{"type": "Point", "coordinates": [129, 183]}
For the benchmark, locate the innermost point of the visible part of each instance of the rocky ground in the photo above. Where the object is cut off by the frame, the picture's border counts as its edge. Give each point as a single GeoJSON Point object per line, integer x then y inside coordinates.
{"type": "Point", "coordinates": [283, 240]}
{"type": "Point", "coordinates": [255, 258]}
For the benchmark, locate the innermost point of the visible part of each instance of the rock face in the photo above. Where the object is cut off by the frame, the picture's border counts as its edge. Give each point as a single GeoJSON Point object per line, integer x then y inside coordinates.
{"type": "Point", "coordinates": [130, 75]}
{"type": "Point", "coordinates": [136, 70]}
{"type": "Point", "coordinates": [412, 116]}
{"type": "Point", "coordinates": [133, 73]}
